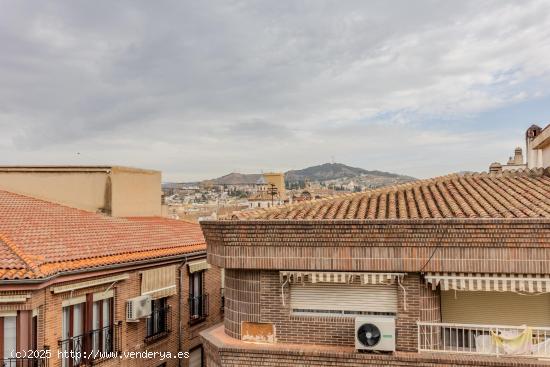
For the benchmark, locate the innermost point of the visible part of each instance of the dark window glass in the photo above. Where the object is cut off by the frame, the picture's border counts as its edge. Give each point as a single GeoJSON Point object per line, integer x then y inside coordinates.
{"type": "Point", "coordinates": [157, 323]}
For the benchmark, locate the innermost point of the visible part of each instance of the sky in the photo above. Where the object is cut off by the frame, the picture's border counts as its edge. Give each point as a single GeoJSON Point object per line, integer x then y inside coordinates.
{"type": "Point", "coordinates": [198, 89]}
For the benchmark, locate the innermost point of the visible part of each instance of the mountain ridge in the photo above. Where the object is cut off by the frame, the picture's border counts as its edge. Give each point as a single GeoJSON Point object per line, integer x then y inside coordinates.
{"type": "Point", "coordinates": [320, 173]}
{"type": "Point", "coordinates": [334, 171]}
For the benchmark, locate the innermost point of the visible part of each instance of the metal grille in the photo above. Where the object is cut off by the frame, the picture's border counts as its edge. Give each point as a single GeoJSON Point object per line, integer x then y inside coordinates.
{"type": "Point", "coordinates": [89, 347]}
{"type": "Point", "coordinates": [25, 362]}
{"type": "Point", "coordinates": [198, 307]}
{"type": "Point", "coordinates": [483, 339]}
{"type": "Point", "coordinates": [159, 323]}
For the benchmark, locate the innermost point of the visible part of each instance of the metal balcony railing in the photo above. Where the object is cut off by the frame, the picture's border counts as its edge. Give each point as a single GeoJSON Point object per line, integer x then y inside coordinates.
{"type": "Point", "coordinates": [91, 346]}
{"type": "Point", "coordinates": [25, 362]}
{"type": "Point", "coordinates": [198, 307]}
{"type": "Point", "coordinates": [159, 324]}
{"type": "Point", "coordinates": [496, 340]}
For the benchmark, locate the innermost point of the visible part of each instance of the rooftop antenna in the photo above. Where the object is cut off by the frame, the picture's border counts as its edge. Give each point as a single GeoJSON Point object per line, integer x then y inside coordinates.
{"type": "Point", "coordinates": [272, 191]}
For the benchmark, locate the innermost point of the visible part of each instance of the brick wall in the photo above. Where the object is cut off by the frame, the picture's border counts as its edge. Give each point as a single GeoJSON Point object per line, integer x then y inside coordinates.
{"type": "Point", "coordinates": [288, 359]}
{"type": "Point", "coordinates": [256, 296]}
{"type": "Point", "coordinates": [408, 313]}
{"type": "Point", "coordinates": [221, 352]}
{"type": "Point", "coordinates": [132, 335]}
{"type": "Point", "coordinates": [300, 329]}
{"type": "Point", "coordinates": [463, 245]}
{"type": "Point", "coordinates": [211, 284]}
{"type": "Point", "coordinates": [242, 299]}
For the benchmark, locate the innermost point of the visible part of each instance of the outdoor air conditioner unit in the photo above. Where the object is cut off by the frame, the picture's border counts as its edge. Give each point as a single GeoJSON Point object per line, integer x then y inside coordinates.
{"type": "Point", "coordinates": [137, 308]}
{"type": "Point", "coordinates": [376, 333]}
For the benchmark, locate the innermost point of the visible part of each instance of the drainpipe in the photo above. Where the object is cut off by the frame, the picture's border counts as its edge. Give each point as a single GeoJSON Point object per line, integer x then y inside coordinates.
{"type": "Point", "coordinates": [180, 306]}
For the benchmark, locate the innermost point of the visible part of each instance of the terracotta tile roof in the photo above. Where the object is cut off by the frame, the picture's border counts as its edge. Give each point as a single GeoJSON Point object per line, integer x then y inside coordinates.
{"type": "Point", "coordinates": [511, 194]}
{"type": "Point", "coordinates": [39, 238]}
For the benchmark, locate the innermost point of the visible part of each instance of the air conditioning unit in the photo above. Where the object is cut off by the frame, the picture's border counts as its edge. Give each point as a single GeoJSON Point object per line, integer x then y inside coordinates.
{"type": "Point", "coordinates": [376, 333]}
{"type": "Point", "coordinates": [137, 308]}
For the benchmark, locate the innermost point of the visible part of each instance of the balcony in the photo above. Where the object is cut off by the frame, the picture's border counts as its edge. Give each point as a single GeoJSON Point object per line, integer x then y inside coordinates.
{"type": "Point", "coordinates": [91, 347]}
{"type": "Point", "coordinates": [494, 340]}
{"type": "Point", "coordinates": [159, 324]}
{"type": "Point", "coordinates": [198, 308]}
{"type": "Point", "coordinates": [25, 362]}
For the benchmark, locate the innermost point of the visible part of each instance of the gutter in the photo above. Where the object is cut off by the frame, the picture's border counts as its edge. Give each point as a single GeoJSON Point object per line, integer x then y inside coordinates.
{"type": "Point", "coordinates": [190, 255]}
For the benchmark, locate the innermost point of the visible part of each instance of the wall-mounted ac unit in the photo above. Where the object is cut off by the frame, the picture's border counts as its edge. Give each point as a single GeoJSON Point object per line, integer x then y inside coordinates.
{"type": "Point", "coordinates": [375, 333]}
{"type": "Point", "coordinates": [137, 308]}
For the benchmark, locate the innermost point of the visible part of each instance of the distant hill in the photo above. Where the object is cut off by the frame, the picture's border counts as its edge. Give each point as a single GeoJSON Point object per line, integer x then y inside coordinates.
{"type": "Point", "coordinates": [237, 178]}
{"type": "Point", "coordinates": [335, 171]}
{"type": "Point", "coordinates": [321, 173]}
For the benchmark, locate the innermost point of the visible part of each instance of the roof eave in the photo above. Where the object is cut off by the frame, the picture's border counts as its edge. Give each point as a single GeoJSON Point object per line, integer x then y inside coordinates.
{"type": "Point", "coordinates": [189, 255]}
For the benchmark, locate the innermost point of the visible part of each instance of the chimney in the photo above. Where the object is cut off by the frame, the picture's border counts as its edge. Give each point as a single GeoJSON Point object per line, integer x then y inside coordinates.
{"type": "Point", "coordinates": [531, 154]}
{"type": "Point", "coordinates": [518, 156]}
{"type": "Point", "coordinates": [495, 167]}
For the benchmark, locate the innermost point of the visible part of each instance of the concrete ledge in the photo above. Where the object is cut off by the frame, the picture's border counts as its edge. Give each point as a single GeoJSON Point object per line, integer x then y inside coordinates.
{"type": "Point", "coordinates": [223, 350]}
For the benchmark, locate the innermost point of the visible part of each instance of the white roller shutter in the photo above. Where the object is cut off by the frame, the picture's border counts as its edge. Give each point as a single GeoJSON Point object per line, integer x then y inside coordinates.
{"type": "Point", "coordinates": [344, 297]}
{"type": "Point", "coordinates": [195, 358]}
{"type": "Point", "coordinates": [495, 308]}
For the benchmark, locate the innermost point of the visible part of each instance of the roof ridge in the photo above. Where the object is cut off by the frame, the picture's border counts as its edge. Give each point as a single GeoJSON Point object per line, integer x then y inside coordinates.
{"type": "Point", "coordinates": [122, 253]}
{"type": "Point", "coordinates": [57, 204]}
{"type": "Point", "coordinates": [20, 254]}
{"type": "Point", "coordinates": [44, 268]}
{"type": "Point", "coordinates": [415, 192]}
{"type": "Point", "coordinates": [385, 189]}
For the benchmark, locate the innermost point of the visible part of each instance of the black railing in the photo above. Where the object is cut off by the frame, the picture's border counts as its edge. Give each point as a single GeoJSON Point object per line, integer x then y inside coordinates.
{"type": "Point", "coordinates": [159, 324]}
{"type": "Point", "coordinates": [25, 362]}
{"type": "Point", "coordinates": [90, 347]}
{"type": "Point", "coordinates": [198, 307]}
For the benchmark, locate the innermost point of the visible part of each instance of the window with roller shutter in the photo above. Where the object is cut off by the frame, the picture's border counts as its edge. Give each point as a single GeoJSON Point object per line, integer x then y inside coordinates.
{"type": "Point", "coordinates": [343, 299]}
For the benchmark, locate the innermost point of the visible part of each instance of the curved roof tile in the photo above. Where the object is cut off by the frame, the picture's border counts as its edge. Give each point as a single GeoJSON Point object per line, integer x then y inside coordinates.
{"type": "Point", "coordinates": [40, 238]}
{"type": "Point", "coordinates": [510, 194]}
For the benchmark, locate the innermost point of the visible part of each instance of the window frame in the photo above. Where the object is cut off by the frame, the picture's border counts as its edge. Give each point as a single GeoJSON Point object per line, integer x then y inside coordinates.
{"type": "Point", "coordinates": [197, 297]}
{"type": "Point", "coordinates": [157, 325]}
{"type": "Point", "coordinates": [198, 347]}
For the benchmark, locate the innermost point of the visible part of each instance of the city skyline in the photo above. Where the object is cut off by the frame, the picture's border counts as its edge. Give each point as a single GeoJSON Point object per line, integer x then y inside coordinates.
{"type": "Point", "coordinates": [201, 90]}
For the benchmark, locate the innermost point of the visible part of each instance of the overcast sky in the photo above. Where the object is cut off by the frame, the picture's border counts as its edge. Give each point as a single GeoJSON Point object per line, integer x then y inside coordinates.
{"type": "Point", "coordinates": [198, 89]}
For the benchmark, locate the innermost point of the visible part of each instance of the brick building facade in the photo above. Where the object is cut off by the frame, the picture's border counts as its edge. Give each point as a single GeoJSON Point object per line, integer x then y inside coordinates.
{"type": "Point", "coordinates": [67, 275]}
{"type": "Point", "coordinates": [452, 260]}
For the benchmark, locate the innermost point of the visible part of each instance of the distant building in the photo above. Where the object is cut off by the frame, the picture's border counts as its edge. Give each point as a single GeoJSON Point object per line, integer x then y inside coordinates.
{"type": "Point", "coordinates": [277, 180]}
{"type": "Point", "coordinates": [113, 190]}
{"type": "Point", "coordinates": [270, 191]}
{"type": "Point", "coordinates": [263, 199]}
{"type": "Point", "coordinates": [537, 144]}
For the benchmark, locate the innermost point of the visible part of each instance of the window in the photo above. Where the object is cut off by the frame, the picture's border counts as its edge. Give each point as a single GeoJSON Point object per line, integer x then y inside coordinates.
{"type": "Point", "coordinates": [157, 324]}
{"type": "Point", "coordinates": [222, 288]}
{"type": "Point", "coordinates": [87, 326]}
{"type": "Point", "coordinates": [34, 333]}
{"type": "Point", "coordinates": [9, 337]}
{"type": "Point", "coordinates": [482, 307]}
{"type": "Point", "coordinates": [16, 334]}
{"type": "Point", "coordinates": [195, 357]}
{"type": "Point", "coordinates": [102, 320]}
{"type": "Point", "coordinates": [72, 327]}
{"type": "Point", "coordinates": [343, 299]}
{"type": "Point", "coordinates": [198, 300]}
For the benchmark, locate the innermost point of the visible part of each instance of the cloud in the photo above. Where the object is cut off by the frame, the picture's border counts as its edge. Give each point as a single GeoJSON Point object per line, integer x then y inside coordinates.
{"type": "Point", "coordinates": [196, 88]}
